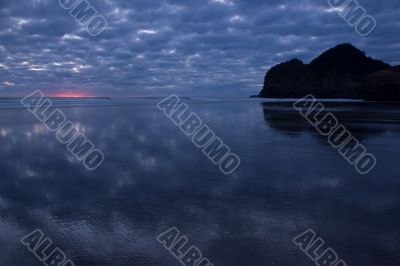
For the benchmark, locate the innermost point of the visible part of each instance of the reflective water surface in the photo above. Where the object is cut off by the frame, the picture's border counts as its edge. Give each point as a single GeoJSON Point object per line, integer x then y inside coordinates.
{"type": "Point", "coordinates": [154, 178]}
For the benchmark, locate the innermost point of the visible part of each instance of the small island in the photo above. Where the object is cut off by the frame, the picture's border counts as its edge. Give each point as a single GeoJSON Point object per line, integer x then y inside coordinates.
{"type": "Point", "coordinates": [343, 72]}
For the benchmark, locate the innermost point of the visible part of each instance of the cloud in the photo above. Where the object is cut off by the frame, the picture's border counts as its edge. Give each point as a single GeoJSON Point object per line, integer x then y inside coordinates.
{"type": "Point", "coordinates": [215, 47]}
{"type": "Point", "coordinates": [8, 84]}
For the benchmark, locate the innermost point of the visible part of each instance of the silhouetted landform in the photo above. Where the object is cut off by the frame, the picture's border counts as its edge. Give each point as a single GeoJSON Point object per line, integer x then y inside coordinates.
{"type": "Point", "coordinates": [343, 72]}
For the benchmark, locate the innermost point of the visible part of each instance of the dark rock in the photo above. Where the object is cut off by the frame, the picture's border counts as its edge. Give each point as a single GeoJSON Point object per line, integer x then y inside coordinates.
{"type": "Point", "coordinates": [341, 72]}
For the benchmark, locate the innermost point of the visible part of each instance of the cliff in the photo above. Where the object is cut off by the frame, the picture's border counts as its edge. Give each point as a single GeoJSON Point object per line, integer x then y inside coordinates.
{"type": "Point", "coordinates": [341, 72]}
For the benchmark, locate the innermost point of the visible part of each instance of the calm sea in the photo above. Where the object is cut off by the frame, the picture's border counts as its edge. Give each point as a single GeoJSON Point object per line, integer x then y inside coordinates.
{"type": "Point", "coordinates": [153, 178]}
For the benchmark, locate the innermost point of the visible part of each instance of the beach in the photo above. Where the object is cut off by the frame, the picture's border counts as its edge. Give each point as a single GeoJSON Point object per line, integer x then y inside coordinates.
{"type": "Point", "coordinates": [153, 178]}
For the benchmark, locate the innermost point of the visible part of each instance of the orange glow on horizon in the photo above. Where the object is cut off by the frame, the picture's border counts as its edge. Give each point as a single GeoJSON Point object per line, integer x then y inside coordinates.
{"type": "Point", "coordinates": [71, 94]}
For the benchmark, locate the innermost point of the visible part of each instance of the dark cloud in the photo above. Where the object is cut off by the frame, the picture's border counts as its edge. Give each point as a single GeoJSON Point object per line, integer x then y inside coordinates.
{"type": "Point", "coordinates": [213, 47]}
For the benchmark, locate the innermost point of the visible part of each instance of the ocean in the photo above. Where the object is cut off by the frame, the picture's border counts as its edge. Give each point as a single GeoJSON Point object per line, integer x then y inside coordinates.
{"type": "Point", "coordinates": [154, 178]}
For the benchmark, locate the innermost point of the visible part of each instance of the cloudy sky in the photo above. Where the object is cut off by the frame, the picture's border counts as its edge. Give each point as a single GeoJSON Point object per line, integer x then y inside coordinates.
{"type": "Point", "coordinates": [158, 47]}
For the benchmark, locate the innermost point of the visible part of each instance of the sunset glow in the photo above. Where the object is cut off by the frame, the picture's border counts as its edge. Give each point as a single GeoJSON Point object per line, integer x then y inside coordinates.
{"type": "Point", "coordinates": [71, 94]}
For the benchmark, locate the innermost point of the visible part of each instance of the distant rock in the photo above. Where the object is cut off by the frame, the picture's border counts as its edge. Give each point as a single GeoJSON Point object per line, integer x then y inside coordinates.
{"type": "Point", "coordinates": [341, 72]}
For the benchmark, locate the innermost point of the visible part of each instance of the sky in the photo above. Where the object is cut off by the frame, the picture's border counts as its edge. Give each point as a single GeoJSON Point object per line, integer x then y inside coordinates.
{"type": "Point", "coordinates": [205, 48]}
